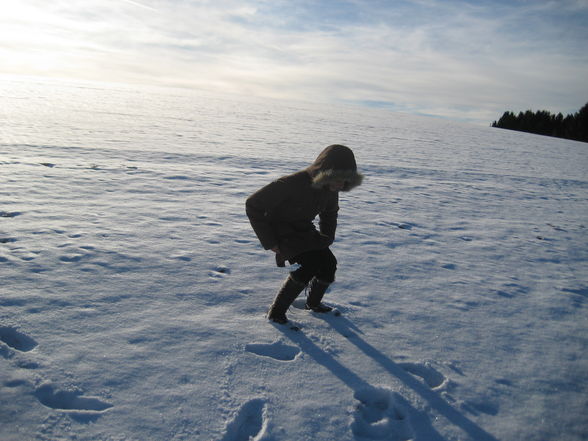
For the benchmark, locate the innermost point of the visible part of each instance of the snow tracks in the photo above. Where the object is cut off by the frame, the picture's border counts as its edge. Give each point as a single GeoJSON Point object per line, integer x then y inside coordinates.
{"type": "Point", "coordinates": [250, 422]}
{"type": "Point", "coordinates": [402, 410]}
{"type": "Point", "coordinates": [71, 400]}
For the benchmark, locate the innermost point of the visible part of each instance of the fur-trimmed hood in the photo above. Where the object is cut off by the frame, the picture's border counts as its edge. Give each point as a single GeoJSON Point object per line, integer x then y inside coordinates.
{"type": "Point", "coordinates": [334, 163]}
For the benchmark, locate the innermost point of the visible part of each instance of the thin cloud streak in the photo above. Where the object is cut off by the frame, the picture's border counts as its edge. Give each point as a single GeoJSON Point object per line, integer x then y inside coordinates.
{"type": "Point", "coordinates": [457, 59]}
{"type": "Point", "coordinates": [140, 5]}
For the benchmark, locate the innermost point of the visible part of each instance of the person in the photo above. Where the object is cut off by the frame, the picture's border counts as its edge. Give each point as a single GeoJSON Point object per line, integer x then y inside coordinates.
{"type": "Point", "coordinates": [282, 215]}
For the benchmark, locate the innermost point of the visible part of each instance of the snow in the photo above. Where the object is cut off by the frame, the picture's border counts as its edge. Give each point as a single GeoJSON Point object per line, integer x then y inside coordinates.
{"type": "Point", "coordinates": [133, 290]}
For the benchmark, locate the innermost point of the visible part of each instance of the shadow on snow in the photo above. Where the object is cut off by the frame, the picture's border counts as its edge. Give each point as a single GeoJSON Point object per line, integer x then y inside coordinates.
{"type": "Point", "coordinates": [421, 425]}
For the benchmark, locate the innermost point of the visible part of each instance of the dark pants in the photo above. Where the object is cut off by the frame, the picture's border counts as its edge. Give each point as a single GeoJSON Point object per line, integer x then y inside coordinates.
{"type": "Point", "coordinates": [321, 264]}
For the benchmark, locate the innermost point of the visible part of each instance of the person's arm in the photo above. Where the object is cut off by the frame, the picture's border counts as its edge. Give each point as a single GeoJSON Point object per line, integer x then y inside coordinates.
{"type": "Point", "coordinates": [259, 207]}
{"type": "Point", "coordinates": [328, 218]}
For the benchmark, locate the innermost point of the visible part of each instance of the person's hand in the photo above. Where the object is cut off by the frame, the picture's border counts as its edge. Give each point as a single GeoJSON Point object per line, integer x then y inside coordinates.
{"type": "Point", "coordinates": [323, 240]}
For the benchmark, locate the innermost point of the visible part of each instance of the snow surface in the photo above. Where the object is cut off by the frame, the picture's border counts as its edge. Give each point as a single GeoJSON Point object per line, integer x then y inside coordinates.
{"type": "Point", "coordinates": [133, 290]}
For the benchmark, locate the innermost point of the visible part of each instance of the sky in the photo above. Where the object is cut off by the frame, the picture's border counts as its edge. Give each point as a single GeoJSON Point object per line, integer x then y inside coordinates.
{"type": "Point", "coordinates": [458, 59]}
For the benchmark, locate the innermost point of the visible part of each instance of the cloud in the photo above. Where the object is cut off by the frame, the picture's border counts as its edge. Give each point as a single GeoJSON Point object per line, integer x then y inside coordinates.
{"type": "Point", "coordinates": [450, 58]}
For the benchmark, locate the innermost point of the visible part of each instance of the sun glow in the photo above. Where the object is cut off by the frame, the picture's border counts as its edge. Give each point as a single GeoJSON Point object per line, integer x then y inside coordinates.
{"type": "Point", "coordinates": [33, 41]}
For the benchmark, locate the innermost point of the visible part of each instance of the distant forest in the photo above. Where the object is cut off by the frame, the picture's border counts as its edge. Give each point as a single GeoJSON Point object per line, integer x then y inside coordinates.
{"type": "Point", "coordinates": [543, 122]}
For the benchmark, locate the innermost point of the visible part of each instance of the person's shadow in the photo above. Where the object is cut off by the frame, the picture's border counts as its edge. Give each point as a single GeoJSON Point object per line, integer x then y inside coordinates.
{"type": "Point", "coordinates": [370, 410]}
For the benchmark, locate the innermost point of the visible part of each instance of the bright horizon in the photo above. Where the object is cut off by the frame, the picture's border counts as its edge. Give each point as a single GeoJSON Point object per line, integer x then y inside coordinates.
{"type": "Point", "coordinates": [462, 60]}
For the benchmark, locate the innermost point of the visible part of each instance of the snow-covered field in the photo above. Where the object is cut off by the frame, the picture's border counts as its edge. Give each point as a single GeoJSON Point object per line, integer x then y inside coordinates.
{"type": "Point", "coordinates": [133, 290]}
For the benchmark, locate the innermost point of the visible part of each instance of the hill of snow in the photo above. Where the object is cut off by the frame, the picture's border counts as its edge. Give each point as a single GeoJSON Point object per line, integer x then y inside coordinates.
{"type": "Point", "coordinates": [133, 290]}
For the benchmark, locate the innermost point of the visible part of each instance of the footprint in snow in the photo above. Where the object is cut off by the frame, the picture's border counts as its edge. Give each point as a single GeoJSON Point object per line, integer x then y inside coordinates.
{"type": "Point", "coordinates": [512, 290]}
{"type": "Point", "coordinates": [431, 376]}
{"type": "Point", "coordinates": [72, 259]}
{"type": "Point", "coordinates": [219, 271]}
{"type": "Point", "coordinates": [70, 401]}
{"type": "Point", "coordinates": [249, 424]}
{"type": "Point", "coordinates": [79, 407]}
{"type": "Point", "coordinates": [556, 228]}
{"type": "Point", "coordinates": [9, 214]}
{"type": "Point", "coordinates": [17, 340]}
{"type": "Point", "coordinates": [277, 351]}
{"type": "Point", "coordinates": [449, 266]}
{"type": "Point", "coordinates": [5, 352]}
{"type": "Point", "coordinates": [401, 225]}
{"type": "Point", "coordinates": [380, 414]}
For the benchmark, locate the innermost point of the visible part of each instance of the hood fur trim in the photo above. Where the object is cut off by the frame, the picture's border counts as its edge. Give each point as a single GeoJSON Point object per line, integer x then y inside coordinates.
{"type": "Point", "coordinates": [351, 177]}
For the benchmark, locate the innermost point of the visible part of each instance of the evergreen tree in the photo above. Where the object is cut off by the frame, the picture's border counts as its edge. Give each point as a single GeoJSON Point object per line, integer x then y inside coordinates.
{"type": "Point", "coordinates": [543, 122]}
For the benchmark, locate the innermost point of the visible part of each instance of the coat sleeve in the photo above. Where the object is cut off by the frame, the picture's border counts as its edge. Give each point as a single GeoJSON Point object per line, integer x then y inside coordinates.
{"type": "Point", "coordinates": [259, 207]}
{"type": "Point", "coordinates": [328, 218]}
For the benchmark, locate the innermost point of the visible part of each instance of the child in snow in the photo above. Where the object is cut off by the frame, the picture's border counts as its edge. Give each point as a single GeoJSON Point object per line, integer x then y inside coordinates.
{"type": "Point", "coordinates": [282, 214]}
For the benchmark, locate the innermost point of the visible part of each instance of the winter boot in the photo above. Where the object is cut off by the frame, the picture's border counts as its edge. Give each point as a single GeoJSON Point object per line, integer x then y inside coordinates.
{"type": "Point", "coordinates": [287, 294]}
{"type": "Point", "coordinates": [315, 295]}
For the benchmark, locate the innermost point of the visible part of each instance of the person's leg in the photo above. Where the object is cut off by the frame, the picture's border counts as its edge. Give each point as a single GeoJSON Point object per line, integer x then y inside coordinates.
{"type": "Point", "coordinates": [286, 295]}
{"type": "Point", "coordinates": [321, 264]}
{"type": "Point", "coordinates": [297, 280]}
{"type": "Point", "coordinates": [327, 267]}
{"type": "Point", "coordinates": [315, 295]}
{"type": "Point", "coordinates": [317, 267]}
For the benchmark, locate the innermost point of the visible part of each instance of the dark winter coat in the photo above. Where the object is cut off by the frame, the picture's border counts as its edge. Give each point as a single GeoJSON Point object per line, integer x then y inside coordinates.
{"type": "Point", "coordinates": [282, 212]}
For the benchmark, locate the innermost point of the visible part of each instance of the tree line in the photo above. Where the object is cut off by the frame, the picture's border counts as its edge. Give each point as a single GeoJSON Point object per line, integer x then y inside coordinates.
{"type": "Point", "coordinates": [573, 126]}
